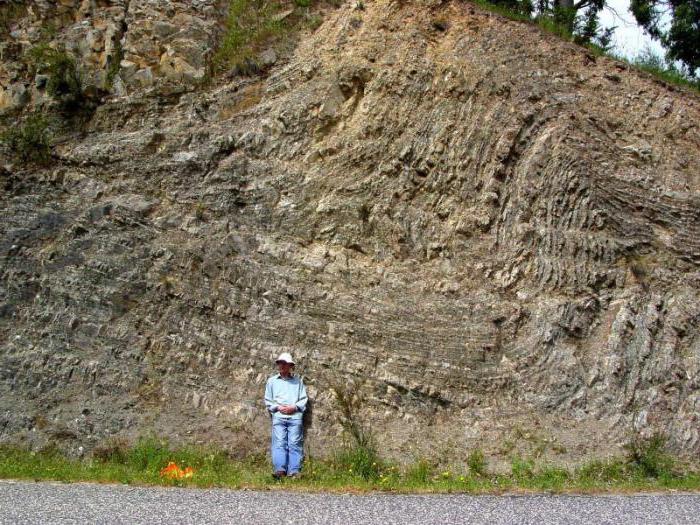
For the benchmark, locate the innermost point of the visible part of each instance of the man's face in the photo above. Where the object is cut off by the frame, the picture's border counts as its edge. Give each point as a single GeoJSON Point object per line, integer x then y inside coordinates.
{"type": "Point", "coordinates": [284, 368]}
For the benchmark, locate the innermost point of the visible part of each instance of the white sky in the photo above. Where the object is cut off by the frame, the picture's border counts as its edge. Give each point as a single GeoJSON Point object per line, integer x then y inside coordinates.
{"type": "Point", "coordinates": [629, 39]}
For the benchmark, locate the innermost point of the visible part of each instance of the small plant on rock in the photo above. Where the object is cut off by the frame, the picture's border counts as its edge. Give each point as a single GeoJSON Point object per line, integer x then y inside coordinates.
{"type": "Point", "coordinates": [30, 141]}
{"type": "Point", "coordinates": [64, 81]}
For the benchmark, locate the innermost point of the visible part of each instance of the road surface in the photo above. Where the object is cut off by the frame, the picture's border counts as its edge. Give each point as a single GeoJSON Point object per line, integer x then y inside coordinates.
{"type": "Point", "coordinates": [52, 502]}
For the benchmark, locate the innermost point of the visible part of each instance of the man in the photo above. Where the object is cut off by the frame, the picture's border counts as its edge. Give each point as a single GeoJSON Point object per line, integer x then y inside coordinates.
{"type": "Point", "coordinates": [285, 399]}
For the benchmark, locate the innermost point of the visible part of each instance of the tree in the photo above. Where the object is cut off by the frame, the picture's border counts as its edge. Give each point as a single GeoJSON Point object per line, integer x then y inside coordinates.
{"type": "Point", "coordinates": [577, 18]}
{"type": "Point", "coordinates": [567, 12]}
{"type": "Point", "coordinates": [682, 37]}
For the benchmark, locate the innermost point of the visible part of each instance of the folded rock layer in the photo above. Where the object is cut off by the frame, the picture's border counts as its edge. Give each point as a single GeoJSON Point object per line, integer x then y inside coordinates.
{"type": "Point", "coordinates": [486, 235]}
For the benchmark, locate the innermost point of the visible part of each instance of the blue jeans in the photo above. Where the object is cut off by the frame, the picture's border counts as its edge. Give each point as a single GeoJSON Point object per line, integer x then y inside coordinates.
{"type": "Point", "coordinates": [287, 445]}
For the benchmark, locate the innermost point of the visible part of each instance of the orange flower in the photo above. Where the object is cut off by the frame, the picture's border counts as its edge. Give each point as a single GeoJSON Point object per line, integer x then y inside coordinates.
{"type": "Point", "coordinates": [172, 471]}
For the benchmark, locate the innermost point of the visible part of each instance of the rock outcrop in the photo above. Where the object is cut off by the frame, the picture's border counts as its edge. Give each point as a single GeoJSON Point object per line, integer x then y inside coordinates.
{"type": "Point", "coordinates": [491, 235]}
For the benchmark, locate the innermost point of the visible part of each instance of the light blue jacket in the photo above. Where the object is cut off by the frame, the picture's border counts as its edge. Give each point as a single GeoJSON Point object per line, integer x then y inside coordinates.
{"type": "Point", "coordinates": [291, 391]}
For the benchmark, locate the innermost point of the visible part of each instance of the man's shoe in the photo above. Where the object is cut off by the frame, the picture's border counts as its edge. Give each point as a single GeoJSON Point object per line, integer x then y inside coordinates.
{"type": "Point", "coordinates": [279, 474]}
{"type": "Point", "coordinates": [295, 475]}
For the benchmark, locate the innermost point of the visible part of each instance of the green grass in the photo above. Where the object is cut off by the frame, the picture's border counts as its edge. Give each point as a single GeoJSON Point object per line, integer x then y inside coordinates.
{"type": "Point", "coordinates": [255, 25]}
{"type": "Point", "coordinates": [660, 71]}
{"type": "Point", "coordinates": [348, 470]}
{"type": "Point", "coordinates": [250, 25]}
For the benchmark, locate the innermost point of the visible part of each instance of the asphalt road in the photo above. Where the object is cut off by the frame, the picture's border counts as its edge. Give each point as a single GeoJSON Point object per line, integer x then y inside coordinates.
{"type": "Point", "coordinates": [29, 502]}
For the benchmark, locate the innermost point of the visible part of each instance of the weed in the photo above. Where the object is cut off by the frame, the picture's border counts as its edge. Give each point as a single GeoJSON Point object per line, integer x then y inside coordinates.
{"type": "Point", "coordinates": [476, 462]}
{"type": "Point", "coordinates": [114, 64]}
{"type": "Point", "coordinates": [314, 21]}
{"type": "Point", "coordinates": [200, 210]}
{"type": "Point", "coordinates": [648, 457]}
{"type": "Point", "coordinates": [522, 469]}
{"type": "Point", "coordinates": [349, 399]}
{"type": "Point", "coordinates": [551, 478]}
{"type": "Point", "coordinates": [599, 471]}
{"type": "Point", "coordinates": [648, 60]}
{"type": "Point", "coordinates": [419, 473]}
{"type": "Point", "coordinates": [250, 24]}
{"type": "Point", "coordinates": [114, 450]}
{"type": "Point", "coordinates": [30, 141]}
{"type": "Point", "coordinates": [351, 468]}
{"type": "Point", "coordinates": [149, 453]}
{"type": "Point", "coordinates": [64, 79]}
{"type": "Point", "coordinates": [360, 460]}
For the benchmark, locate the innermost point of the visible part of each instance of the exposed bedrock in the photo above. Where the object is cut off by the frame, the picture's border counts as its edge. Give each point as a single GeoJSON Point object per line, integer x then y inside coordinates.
{"type": "Point", "coordinates": [493, 234]}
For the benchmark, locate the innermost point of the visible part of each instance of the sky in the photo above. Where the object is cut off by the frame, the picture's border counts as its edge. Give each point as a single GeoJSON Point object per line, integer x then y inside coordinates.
{"type": "Point", "coordinates": [629, 38]}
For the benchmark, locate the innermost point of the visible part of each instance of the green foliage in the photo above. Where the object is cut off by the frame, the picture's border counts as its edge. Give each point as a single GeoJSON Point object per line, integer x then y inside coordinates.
{"type": "Point", "coordinates": [249, 25]}
{"type": "Point", "coordinates": [31, 140]}
{"type": "Point", "coordinates": [522, 469]}
{"type": "Point", "coordinates": [349, 400]}
{"type": "Point", "coordinates": [682, 38]}
{"type": "Point", "coordinates": [648, 456]}
{"type": "Point", "coordinates": [115, 61]}
{"type": "Point", "coordinates": [352, 468]}
{"type": "Point", "coordinates": [521, 7]}
{"type": "Point", "coordinates": [360, 460]}
{"type": "Point", "coordinates": [149, 453]}
{"type": "Point", "coordinates": [476, 462]}
{"type": "Point", "coordinates": [503, 10]}
{"type": "Point", "coordinates": [583, 28]}
{"type": "Point", "coordinates": [419, 473]}
{"type": "Point", "coordinates": [588, 31]}
{"type": "Point", "coordinates": [603, 472]}
{"type": "Point", "coordinates": [64, 79]}
{"type": "Point", "coordinates": [651, 62]}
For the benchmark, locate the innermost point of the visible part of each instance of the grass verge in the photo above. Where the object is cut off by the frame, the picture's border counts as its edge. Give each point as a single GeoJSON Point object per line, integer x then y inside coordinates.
{"type": "Point", "coordinates": [644, 469]}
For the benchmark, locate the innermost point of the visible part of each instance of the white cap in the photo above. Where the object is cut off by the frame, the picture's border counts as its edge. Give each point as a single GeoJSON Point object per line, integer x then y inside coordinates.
{"type": "Point", "coordinates": [286, 357]}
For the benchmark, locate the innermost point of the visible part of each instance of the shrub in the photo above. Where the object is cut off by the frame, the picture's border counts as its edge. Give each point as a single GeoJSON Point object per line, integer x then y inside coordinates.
{"type": "Point", "coordinates": [349, 400]}
{"type": "Point", "coordinates": [648, 457]}
{"type": "Point", "coordinates": [249, 24]}
{"type": "Point", "coordinates": [476, 462]}
{"type": "Point", "coordinates": [31, 141]}
{"type": "Point", "coordinates": [64, 79]}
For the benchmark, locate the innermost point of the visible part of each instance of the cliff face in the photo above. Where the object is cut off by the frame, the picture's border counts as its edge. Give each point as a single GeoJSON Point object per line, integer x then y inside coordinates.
{"type": "Point", "coordinates": [490, 234]}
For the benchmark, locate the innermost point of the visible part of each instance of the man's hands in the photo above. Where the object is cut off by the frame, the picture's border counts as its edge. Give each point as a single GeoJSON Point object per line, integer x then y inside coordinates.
{"type": "Point", "coordinates": [287, 409]}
